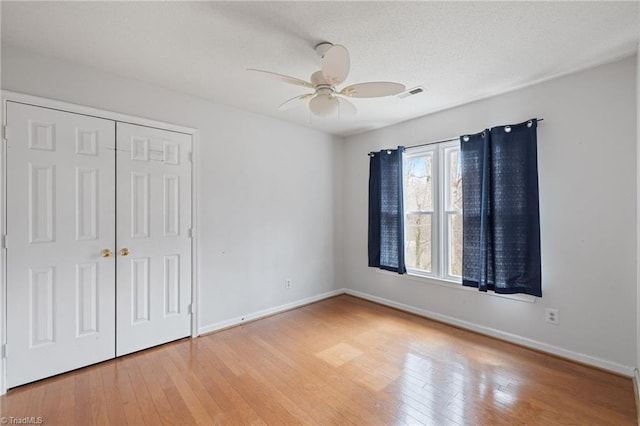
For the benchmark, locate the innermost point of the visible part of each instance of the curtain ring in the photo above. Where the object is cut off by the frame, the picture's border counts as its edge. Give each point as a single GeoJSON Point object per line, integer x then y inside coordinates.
{"type": "Point", "coordinates": [483, 134]}
{"type": "Point", "coordinates": [465, 138]}
{"type": "Point", "coordinates": [389, 151]}
{"type": "Point", "coordinates": [507, 129]}
{"type": "Point", "coordinates": [529, 123]}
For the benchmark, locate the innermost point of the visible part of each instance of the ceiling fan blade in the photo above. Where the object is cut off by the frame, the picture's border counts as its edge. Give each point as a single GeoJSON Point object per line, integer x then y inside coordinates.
{"type": "Point", "coordinates": [346, 107]}
{"type": "Point", "coordinates": [283, 78]}
{"type": "Point", "coordinates": [336, 64]}
{"type": "Point", "coordinates": [372, 90]}
{"type": "Point", "coordinates": [294, 102]}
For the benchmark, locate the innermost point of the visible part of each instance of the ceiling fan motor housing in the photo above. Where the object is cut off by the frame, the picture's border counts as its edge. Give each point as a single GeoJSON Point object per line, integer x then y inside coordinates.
{"type": "Point", "coordinates": [322, 48]}
{"type": "Point", "coordinates": [325, 90]}
{"type": "Point", "coordinates": [317, 79]}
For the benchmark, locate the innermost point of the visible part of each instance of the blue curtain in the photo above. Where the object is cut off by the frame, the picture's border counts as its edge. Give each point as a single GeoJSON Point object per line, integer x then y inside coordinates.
{"type": "Point", "coordinates": [386, 215]}
{"type": "Point", "coordinates": [500, 209]}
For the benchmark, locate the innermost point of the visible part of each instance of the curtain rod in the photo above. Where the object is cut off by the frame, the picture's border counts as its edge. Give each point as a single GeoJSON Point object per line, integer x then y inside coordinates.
{"type": "Point", "coordinates": [370, 154]}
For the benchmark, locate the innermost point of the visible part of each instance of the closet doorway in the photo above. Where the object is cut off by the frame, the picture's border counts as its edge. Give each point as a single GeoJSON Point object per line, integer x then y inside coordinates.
{"type": "Point", "coordinates": [98, 239]}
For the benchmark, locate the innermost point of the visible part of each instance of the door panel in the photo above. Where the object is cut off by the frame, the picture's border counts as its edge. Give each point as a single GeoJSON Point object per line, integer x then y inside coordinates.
{"type": "Point", "coordinates": [60, 216]}
{"type": "Point", "coordinates": [154, 217]}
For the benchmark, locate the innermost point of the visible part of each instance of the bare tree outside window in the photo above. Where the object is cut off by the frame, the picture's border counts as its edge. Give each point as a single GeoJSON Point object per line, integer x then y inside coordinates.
{"type": "Point", "coordinates": [418, 187]}
{"type": "Point", "coordinates": [431, 213]}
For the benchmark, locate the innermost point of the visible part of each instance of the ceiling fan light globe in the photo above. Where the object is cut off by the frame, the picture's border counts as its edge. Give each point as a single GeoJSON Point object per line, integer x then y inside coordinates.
{"type": "Point", "coordinates": [323, 105]}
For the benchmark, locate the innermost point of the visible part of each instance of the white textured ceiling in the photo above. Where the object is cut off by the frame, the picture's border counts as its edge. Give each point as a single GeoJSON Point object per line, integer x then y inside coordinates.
{"type": "Point", "coordinates": [459, 51]}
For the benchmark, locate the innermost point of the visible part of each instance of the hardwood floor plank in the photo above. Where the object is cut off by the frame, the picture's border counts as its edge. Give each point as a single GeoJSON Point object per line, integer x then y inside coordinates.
{"type": "Point", "coordinates": [98, 398]}
{"type": "Point", "coordinates": [149, 369]}
{"type": "Point", "coordinates": [181, 412]}
{"type": "Point", "coordinates": [235, 408]}
{"type": "Point", "coordinates": [143, 397]}
{"type": "Point", "coordinates": [36, 400]}
{"type": "Point", "coordinates": [202, 407]}
{"type": "Point", "coordinates": [52, 397]}
{"type": "Point", "coordinates": [340, 361]}
{"type": "Point", "coordinates": [64, 412]}
{"type": "Point", "coordinates": [83, 416]}
{"type": "Point", "coordinates": [120, 402]}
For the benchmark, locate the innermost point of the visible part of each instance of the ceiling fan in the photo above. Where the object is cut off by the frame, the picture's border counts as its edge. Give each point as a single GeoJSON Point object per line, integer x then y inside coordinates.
{"type": "Point", "coordinates": [326, 98]}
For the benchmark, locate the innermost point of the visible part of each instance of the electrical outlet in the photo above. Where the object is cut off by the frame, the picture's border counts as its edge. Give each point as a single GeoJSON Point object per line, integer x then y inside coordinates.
{"type": "Point", "coordinates": [552, 316]}
{"type": "Point", "coordinates": [287, 283]}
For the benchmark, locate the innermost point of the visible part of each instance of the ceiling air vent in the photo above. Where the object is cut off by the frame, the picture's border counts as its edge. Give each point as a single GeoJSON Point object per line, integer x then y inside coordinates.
{"type": "Point", "coordinates": [411, 92]}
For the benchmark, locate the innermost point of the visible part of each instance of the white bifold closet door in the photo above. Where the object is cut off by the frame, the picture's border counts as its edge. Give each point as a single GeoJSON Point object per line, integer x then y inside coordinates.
{"type": "Point", "coordinates": [154, 246]}
{"type": "Point", "coordinates": [98, 252]}
{"type": "Point", "coordinates": [60, 216]}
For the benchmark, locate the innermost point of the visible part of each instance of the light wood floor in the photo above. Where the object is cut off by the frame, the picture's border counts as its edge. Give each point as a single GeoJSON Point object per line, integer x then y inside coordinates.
{"type": "Point", "coordinates": [339, 361]}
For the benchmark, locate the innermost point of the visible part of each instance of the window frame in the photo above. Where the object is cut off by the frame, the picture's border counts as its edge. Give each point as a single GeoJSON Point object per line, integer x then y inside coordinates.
{"type": "Point", "coordinates": [440, 233]}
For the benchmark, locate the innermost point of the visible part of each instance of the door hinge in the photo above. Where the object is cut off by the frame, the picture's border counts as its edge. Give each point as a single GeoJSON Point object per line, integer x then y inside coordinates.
{"type": "Point", "coordinates": [190, 309]}
{"type": "Point", "coordinates": [190, 232]}
{"type": "Point", "coordinates": [3, 351]}
{"type": "Point", "coordinates": [3, 241]}
{"type": "Point", "coordinates": [190, 156]}
{"type": "Point", "coordinates": [4, 132]}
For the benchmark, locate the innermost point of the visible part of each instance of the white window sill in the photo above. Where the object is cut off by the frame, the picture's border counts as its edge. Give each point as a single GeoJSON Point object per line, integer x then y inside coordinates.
{"type": "Point", "coordinates": [457, 285]}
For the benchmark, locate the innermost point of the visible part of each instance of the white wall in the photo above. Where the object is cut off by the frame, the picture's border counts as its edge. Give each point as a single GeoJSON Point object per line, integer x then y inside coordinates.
{"type": "Point", "coordinates": [587, 178]}
{"type": "Point", "coordinates": [267, 188]}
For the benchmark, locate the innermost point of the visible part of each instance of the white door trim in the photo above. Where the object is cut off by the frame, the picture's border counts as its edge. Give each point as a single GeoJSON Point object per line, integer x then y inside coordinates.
{"type": "Point", "coordinates": [8, 96]}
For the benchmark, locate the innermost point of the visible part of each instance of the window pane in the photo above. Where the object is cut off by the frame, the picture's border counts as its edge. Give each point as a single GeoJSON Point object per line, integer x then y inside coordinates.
{"type": "Point", "coordinates": [455, 181]}
{"type": "Point", "coordinates": [418, 184]}
{"type": "Point", "coordinates": [418, 241]}
{"type": "Point", "coordinates": [455, 244]}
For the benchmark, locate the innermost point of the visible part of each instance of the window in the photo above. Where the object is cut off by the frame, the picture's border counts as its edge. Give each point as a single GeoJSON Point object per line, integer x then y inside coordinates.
{"type": "Point", "coordinates": [432, 187]}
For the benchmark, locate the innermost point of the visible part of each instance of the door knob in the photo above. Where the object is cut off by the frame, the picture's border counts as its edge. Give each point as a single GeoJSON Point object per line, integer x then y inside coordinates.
{"type": "Point", "coordinates": [106, 253]}
{"type": "Point", "coordinates": [124, 251]}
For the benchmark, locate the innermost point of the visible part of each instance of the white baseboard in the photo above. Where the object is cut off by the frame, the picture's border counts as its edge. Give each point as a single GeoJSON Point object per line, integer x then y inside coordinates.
{"type": "Point", "coordinates": [267, 312]}
{"type": "Point", "coordinates": [513, 338]}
